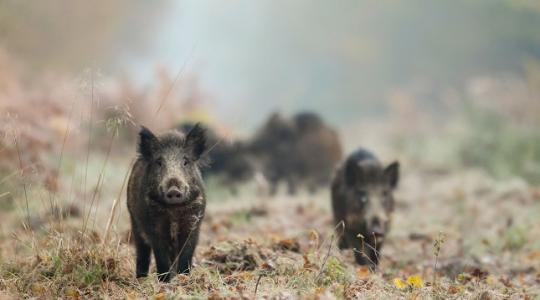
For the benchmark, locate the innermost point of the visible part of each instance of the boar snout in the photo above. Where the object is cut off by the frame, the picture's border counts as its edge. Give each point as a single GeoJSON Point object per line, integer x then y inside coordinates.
{"type": "Point", "coordinates": [174, 194]}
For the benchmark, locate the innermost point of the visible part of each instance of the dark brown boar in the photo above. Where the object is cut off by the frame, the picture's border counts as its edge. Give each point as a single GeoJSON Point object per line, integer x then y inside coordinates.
{"type": "Point", "coordinates": [166, 200]}
{"type": "Point", "coordinates": [317, 150]}
{"type": "Point", "coordinates": [362, 198]}
{"type": "Point", "coordinates": [274, 148]}
{"type": "Point", "coordinates": [301, 151]}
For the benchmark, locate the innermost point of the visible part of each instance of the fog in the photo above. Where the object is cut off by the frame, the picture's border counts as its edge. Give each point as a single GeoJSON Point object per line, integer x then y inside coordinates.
{"type": "Point", "coordinates": [252, 57]}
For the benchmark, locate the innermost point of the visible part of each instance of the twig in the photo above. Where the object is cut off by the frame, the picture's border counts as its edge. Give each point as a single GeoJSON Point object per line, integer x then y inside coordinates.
{"type": "Point", "coordinates": [52, 194]}
{"type": "Point", "coordinates": [257, 285]}
{"type": "Point", "coordinates": [162, 103]}
{"type": "Point", "coordinates": [114, 206]}
{"type": "Point", "coordinates": [182, 249]}
{"type": "Point", "coordinates": [326, 257]}
{"type": "Point", "coordinates": [98, 184]}
{"type": "Point", "coordinates": [89, 144]}
{"type": "Point", "coordinates": [23, 181]}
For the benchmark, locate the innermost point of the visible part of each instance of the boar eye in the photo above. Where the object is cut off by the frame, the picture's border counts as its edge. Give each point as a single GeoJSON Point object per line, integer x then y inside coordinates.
{"type": "Point", "coordinates": [362, 195]}
{"type": "Point", "coordinates": [185, 161]}
{"type": "Point", "coordinates": [159, 162]}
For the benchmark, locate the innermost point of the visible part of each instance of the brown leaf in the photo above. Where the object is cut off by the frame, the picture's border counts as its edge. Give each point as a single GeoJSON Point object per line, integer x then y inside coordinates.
{"type": "Point", "coordinates": [479, 273]}
{"type": "Point", "coordinates": [307, 263]}
{"type": "Point", "coordinates": [290, 244]}
{"type": "Point", "coordinates": [363, 272]}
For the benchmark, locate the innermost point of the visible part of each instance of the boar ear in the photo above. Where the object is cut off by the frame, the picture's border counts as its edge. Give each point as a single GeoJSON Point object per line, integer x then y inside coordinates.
{"type": "Point", "coordinates": [148, 143]}
{"type": "Point", "coordinates": [391, 174]}
{"type": "Point", "coordinates": [196, 141]}
{"type": "Point", "coordinates": [352, 173]}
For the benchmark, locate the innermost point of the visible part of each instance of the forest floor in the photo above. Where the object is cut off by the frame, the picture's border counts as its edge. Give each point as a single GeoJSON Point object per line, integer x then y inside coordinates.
{"type": "Point", "coordinates": [455, 235]}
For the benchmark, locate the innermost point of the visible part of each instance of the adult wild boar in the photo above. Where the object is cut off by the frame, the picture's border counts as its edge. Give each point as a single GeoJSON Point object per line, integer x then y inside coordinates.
{"type": "Point", "coordinates": [301, 150]}
{"type": "Point", "coordinates": [274, 148]}
{"type": "Point", "coordinates": [166, 200]}
{"type": "Point", "coordinates": [317, 151]}
{"type": "Point", "coordinates": [362, 199]}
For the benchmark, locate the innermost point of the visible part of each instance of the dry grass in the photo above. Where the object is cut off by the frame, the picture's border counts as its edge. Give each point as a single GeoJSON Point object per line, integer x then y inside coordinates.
{"type": "Point", "coordinates": [278, 248]}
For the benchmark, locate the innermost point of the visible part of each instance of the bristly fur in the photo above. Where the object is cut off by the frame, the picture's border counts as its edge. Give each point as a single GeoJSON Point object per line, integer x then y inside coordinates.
{"type": "Point", "coordinates": [196, 138]}
{"type": "Point", "coordinates": [147, 142]}
{"type": "Point", "coordinates": [362, 201]}
{"type": "Point", "coordinates": [150, 143]}
{"type": "Point", "coordinates": [164, 223]}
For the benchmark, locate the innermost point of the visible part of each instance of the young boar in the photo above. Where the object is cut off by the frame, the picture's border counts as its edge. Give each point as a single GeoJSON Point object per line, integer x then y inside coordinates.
{"type": "Point", "coordinates": [166, 200]}
{"type": "Point", "coordinates": [362, 199]}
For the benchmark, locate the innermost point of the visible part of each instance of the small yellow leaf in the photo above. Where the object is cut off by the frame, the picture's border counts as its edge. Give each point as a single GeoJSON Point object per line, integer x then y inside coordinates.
{"type": "Point", "coordinates": [159, 296]}
{"type": "Point", "coordinates": [400, 284]}
{"type": "Point", "coordinates": [491, 280]}
{"type": "Point", "coordinates": [72, 293]}
{"type": "Point", "coordinates": [415, 281]}
{"type": "Point", "coordinates": [38, 289]}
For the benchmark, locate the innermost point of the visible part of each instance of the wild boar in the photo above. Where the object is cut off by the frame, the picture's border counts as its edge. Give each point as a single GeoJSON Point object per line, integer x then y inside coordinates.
{"type": "Point", "coordinates": [317, 150]}
{"type": "Point", "coordinates": [273, 146]}
{"type": "Point", "coordinates": [362, 198]}
{"type": "Point", "coordinates": [166, 200]}
{"type": "Point", "coordinates": [301, 151]}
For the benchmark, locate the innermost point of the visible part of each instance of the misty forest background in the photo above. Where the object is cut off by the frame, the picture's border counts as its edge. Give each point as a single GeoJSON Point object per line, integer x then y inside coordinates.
{"type": "Point", "coordinates": [449, 88]}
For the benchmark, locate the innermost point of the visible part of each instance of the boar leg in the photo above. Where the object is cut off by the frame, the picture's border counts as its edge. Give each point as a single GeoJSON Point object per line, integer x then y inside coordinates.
{"type": "Point", "coordinates": [143, 252]}
{"type": "Point", "coordinates": [291, 186]}
{"type": "Point", "coordinates": [163, 261]}
{"type": "Point", "coordinates": [185, 255]}
{"type": "Point", "coordinates": [273, 188]}
{"type": "Point", "coordinates": [184, 261]}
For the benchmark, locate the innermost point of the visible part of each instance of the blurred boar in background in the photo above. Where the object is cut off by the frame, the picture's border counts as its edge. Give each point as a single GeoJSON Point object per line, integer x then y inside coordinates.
{"type": "Point", "coordinates": [362, 199]}
{"type": "Point", "coordinates": [302, 150]}
{"type": "Point", "coordinates": [273, 146]}
{"type": "Point", "coordinates": [166, 200]}
{"type": "Point", "coordinates": [229, 160]}
{"type": "Point", "coordinates": [317, 150]}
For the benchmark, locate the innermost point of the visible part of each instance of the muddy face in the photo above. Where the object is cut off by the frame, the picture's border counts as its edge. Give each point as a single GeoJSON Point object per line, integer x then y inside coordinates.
{"type": "Point", "coordinates": [370, 190]}
{"type": "Point", "coordinates": [173, 165]}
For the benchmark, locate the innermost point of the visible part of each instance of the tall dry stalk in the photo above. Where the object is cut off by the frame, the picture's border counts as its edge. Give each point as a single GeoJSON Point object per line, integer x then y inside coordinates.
{"type": "Point", "coordinates": [21, 166]}
{"type": "Point", "coordinates": [115, 205]}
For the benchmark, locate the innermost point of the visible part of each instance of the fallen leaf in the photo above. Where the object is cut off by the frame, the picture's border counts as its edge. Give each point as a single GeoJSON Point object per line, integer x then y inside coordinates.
{"type": "Point", "coordinates": [363, 272]}
{"type": "Point", "coordinates": [38, 289]}
{"type": "Point", "coordinates": [307, 263]}
{"type": "Point", "coordinates": [159, 296]}
{"type": "Point", "coordinates": [415, 281]}
{"type": "Point", "coordinates": [400, 284]}
{"type": "Point", "coordinates": [533, 255]}
{"type": "Point", "coordinates": [72, 293]}
{"type": "Point", "coordinates": [491, 280]}
{"type": "Point", "coordinates": [479, 273]}
{"type": "Point", "coordinates": [454, 289]}
{"type": "Point", "coordinates": [289, 244]}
